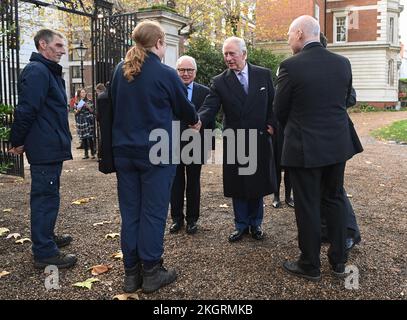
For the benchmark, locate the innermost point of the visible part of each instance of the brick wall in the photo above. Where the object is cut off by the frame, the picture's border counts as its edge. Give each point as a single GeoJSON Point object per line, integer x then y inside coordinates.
{"type": "Point", "coordinates": [273, 17]}
{"type": "Point", "coordinates": [366, 30]}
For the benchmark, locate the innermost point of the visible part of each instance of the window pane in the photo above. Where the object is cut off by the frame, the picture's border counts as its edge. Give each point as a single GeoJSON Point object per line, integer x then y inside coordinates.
{"type": "Point", "coordinates": [341, 29]}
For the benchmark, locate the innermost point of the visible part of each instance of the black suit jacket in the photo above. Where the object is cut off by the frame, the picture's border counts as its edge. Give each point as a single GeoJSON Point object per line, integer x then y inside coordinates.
{"type": "Point", "coordinates": [199, 94]}
{"type": "Point", "coordinates": [241, 111]}
{"type": "Point", "coordinates": [313, 90]}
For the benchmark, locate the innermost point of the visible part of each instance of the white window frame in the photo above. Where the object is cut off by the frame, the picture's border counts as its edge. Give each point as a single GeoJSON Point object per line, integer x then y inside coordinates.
{"type": "Point", "coordinates": [391, 34]}
{"type": "Point", "coordinates": [336, 16]}
{"type": "Point", "coordinates": [390, 72]}
{"type": "Point", "coordinates": [316, 12]}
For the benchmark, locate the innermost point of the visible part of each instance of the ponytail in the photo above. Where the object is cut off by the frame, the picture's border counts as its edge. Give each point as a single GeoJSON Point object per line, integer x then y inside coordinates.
{"type": "Point", "coordinates": [133, 62]}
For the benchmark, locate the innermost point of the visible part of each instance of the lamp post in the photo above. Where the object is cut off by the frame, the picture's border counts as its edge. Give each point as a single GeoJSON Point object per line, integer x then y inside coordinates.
{"type": "Point", "coordinates": [81, 51]}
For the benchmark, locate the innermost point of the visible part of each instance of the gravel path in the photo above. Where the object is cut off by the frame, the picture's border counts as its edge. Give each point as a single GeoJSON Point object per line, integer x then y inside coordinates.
{"type": "Point", "coordinates": [209, 267]}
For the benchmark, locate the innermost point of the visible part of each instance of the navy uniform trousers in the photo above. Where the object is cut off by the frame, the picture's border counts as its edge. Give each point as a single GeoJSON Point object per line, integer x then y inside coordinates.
{"type": "Point", "coordinates": [248, 213]}
{"type": "Point", "coordinates": [44, 203]}
{"type": "Point", "coordinates": [144, 194]}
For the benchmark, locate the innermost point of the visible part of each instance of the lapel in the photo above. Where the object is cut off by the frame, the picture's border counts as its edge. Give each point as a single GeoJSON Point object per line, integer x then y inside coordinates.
{"type": "Point", "coordinates": [195, 95]}
{"type": "Point", "coordinates": [235, 86]}
{"type": "Point", "coordinates": [253, 89]}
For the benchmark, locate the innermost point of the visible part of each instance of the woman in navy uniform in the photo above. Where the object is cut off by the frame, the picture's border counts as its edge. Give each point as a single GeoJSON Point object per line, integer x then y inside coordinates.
{"type": "Point", "coordinates": [146, 95]}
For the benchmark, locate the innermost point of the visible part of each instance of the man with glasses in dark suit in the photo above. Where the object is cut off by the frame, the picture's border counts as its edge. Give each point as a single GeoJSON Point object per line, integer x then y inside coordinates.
{"type": "Point", "coordinates": [188, 176]}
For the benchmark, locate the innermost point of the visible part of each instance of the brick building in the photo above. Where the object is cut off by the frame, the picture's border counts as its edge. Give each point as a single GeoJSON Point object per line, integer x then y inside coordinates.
{"type": "Point", "coordinates": [365, 31]}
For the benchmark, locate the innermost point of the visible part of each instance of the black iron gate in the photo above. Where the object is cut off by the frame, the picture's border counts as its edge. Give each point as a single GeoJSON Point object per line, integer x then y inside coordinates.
{"type": "Point", "coordinates": [110, 38]}
{"type": "Point", "coordinates": [9, 72]}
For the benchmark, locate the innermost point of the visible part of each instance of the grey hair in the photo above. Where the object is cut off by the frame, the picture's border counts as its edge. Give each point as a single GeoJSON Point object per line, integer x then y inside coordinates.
{"type": "Point", "coordinates": [47, 35]}
{"type": "Point", "coordinates": [185, 57]}
{"type": "Point", "coordinates": [309, 25]}
{"type": "Point", "coordinates": [239, 41]}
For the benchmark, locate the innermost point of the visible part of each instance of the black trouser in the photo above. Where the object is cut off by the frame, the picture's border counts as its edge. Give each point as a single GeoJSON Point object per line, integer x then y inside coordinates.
{"type": "Point", "coordinates": [287, 183]}
{"type": "Point", "coordinates": [193, 193]}
{"type": "Point", "coordinates": [351, 223]}
{"type": "Point", "coordinates": [88, 144]}
{"type": "Point", "coordinates": [315, 188]}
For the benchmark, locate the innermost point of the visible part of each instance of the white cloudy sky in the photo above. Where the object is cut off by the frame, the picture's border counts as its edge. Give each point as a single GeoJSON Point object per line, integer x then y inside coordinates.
{"type": "Point", "coordinates": [403, 22]}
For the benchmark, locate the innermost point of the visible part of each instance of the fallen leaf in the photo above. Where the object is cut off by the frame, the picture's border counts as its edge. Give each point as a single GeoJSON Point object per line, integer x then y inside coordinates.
{"type": "Point", "coordinates": [368, 162]}
{"type": "Point", "coordinates": [68, 171]}
{"type": "Point", "coordinates": [118, 255]}
{"type": "Point", "coordinates": [223, 206]}
{"type": "Point", "coordinates": [4, 273]}
{"type": "Point", "coordinates": [13, 235]}
{"type": "Point", "coordinates": [99, 269]}
{"type": "Point", "coordinates": [126, 296]}
{"type": "Point", "coordinates": [7, 210]}
{"type": "Point", "coordinates": [382, 185]}
{"type": "Point", "coordinates": [210, 172]}
{"type": "Point", "coordinates": [79, 169]}
{"type": "Point", "coordinates": [21, 241]}
{"type": "Point", "coordinates": [86, 284]}
{"type": "Point", "coordinates": [349, 195]}
{"type": "Point", "coordinates": [101, 223]}
{"type": "Point", "coordinates": [83, 200]}
{"type": "Point", "coordinates": [112, 235]}
{"type": "Point", "coordinates": [3, 231]}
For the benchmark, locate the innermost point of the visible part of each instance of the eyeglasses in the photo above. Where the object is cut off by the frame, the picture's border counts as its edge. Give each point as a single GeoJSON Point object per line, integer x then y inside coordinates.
{"type": "Point", "coordinates": [182, 70]}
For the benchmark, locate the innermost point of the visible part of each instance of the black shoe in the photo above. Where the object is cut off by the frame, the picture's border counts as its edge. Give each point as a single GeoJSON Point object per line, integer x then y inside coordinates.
{"type": "Point", "coordinates": [62, 241]}
{"type": "Point", "coordinates": [60, 261]}
{"type": "Point", "coordinates": [257, 233]}
{"type": "Point", "coordinates": [80, 147]}
{"type": "Point", "coordinates": [192, 228]}
{"type": "Point", "coordinates": [324, 240]}
{"type": "Point", "coordinates": [93, 157]}
{"type": "Point", "coordinates": [157, 277]}
{"type": "Point", "coordinates": [290, 202]}
{"type": "Point", "coordinates": [85, 157]}
{"type": "Point", "coordinates": [175, 227]}
{"type": "Point", "coordinates": [293, 268]}
{"type": "Point", "coordinates": [238, 235]}
{"type": "Point", "coordinates": [350, 243]}
{"type": "Point", "coordinates": [132, 279]}
{"type": "Point", "coordinates": [338, 270]}
{"type": "Point", "coordinates": [276, 203]}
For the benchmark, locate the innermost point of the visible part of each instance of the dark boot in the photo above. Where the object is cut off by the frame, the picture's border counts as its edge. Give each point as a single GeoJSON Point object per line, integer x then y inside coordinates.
{"type": "Point", "coordinates": [157, 277]}
{"type": "Point", "coordinates": [132, 279]}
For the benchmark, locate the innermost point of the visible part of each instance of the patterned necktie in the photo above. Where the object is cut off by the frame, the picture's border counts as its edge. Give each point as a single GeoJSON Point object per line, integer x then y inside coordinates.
{"type": "Point", "coordinates": [243, 82]}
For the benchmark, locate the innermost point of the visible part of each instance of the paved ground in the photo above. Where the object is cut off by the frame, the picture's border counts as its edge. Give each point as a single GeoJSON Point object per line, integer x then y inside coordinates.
{"type": "Point", "coordinates": [209, 266]}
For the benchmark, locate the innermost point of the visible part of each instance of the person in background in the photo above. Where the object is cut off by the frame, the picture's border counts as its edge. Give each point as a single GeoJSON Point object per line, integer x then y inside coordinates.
{"type": "Point", "coordinates": [353, 233]}
{"type": "Point", "coordinates": [84, 110]}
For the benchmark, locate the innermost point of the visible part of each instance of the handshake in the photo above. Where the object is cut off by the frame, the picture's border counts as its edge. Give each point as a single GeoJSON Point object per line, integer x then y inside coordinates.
{"type": "Point", "coordinates": [197, 126]}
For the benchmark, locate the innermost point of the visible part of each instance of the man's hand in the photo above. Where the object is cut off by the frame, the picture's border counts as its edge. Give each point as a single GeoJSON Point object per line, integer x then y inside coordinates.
{"type": "Point", "coordinates": [270, 129]}
{"type": "Point", "coordinates": [17, 150]}
{"type": "Point", "coordinates": [197, 126]}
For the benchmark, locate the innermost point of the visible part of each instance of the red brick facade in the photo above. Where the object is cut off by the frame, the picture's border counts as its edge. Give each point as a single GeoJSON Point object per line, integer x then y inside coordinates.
{"type": "Point", "coordinates": [273, 18]}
